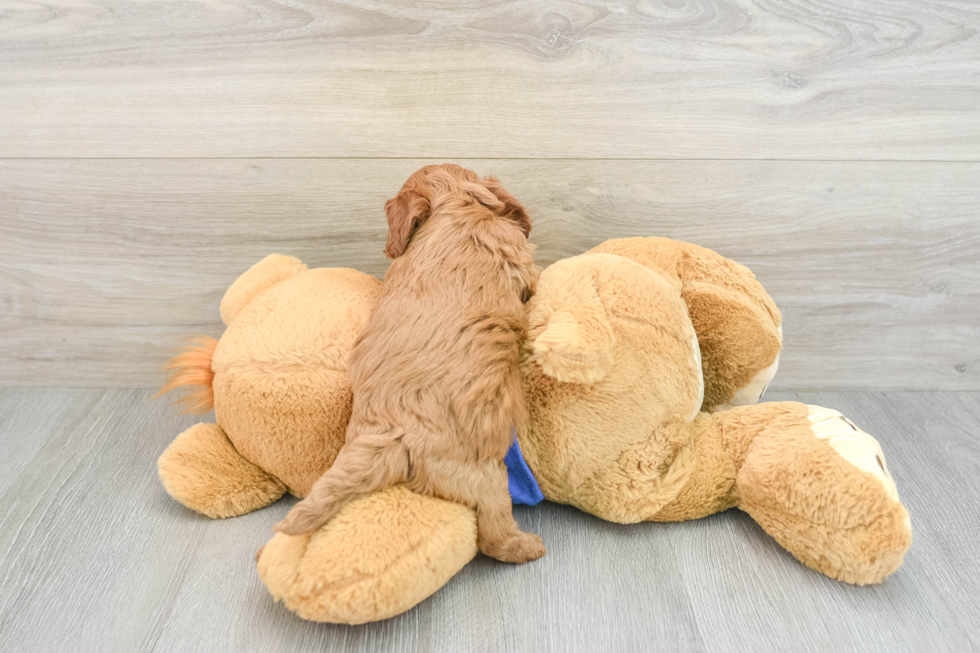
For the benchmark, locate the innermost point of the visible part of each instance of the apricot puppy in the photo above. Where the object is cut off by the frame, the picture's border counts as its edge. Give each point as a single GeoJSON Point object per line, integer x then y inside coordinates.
{"type": "Point", "coordinates": [435, 373]}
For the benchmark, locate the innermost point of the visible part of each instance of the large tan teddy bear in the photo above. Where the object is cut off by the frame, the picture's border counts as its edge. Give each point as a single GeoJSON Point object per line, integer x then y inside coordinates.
{"type": "Point", "coordinates": [643, 363]}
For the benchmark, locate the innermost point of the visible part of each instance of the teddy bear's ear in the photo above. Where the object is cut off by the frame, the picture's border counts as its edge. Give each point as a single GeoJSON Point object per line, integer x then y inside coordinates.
{"type": "Point", "coordinates": [406, 211]}
{"type": "Point", "coordinates": [267, 272]}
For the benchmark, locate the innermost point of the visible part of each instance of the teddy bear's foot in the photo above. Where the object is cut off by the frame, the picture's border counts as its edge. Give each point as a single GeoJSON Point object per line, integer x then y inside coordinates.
{"type": "Point", "coordinates": [379, 557]}
{"type": "Point", "coordinates": [202, 470]}
{"type": "Point", "coordinates": [821, 487]}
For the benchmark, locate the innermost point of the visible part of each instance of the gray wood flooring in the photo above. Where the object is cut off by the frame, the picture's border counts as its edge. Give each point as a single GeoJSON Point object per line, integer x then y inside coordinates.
{"type": "Point", "coordinates": [94, 556]}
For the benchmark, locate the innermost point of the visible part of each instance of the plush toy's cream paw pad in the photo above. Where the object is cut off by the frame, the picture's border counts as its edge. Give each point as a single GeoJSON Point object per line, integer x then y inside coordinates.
{"type": "Point", "coordinates": [377, 558]}
{"type": "Point", "coordinates": [204, 471]}
{"type": "Point", "coordinates": [756, 387]}
{"type": "Point", "coordinates": [853, 444]}
{"type": "Point", "coordinates": [753, 392]}
{"type": "Point", "coordinates": [699, 366]}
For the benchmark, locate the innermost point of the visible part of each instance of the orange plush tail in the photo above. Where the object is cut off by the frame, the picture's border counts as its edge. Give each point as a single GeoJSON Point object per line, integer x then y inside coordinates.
{"type": "Point", "coordinates": [192, 367]}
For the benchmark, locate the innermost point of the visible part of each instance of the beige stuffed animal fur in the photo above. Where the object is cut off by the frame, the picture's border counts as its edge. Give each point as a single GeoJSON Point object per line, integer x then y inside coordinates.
{"type": "Point", "coordinates": [644, 360]}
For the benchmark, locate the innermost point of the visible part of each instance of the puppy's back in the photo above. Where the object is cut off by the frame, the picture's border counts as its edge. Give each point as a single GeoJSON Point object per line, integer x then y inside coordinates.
{"type": "Point", "coordinates": [442, 350]}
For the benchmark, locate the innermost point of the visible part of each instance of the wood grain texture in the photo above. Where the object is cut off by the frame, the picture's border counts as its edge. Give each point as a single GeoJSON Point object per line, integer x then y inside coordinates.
{"type": "Point", "coordinates": [516, 78]}
{"type": "Point", "coordinates": [96, 557]}
{"type": "Point", "coordinates": [106, 265]}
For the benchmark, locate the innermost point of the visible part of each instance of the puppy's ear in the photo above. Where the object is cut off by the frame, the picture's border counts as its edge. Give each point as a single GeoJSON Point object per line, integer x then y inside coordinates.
{"type": "Point", "coordinates": [405, 211]}
{"type": "Point", "coordinates": [512, 208]}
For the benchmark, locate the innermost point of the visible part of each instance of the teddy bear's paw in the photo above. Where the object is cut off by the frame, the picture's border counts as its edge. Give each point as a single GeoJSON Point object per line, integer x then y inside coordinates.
{"type": "Point", "coordinates": [203, 470]}
{"type": "Point", "coordinates": [518, 549]}
{"type": "Point", "coordinates": [853, 445]}
{"type": "Point", "coordinates": [753, 391]}
{"type": "Point", "coordinates": [757, 386]}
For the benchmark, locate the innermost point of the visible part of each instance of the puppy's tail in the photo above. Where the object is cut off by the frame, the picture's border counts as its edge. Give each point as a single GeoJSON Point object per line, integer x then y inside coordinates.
{"type": "Point", "coordinates": [363, 466]}
{"type": "Point", "coordinates": [192, 367]}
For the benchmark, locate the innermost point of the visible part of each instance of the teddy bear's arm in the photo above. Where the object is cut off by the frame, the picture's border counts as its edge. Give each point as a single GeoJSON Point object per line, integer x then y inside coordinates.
{"type": "Point", "coordinates": [203, 471]}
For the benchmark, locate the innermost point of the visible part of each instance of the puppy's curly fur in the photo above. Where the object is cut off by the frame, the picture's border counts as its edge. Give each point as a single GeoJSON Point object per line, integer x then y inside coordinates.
{"type": "Point", "coordinates": [435, 373]}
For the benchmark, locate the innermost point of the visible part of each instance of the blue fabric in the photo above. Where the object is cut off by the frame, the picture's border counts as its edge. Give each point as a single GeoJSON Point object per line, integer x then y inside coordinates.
{"type": "Point", "coordinates": [520, 481]}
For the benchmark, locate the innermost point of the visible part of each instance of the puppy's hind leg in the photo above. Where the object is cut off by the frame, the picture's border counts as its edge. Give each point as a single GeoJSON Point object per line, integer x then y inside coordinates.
{"type": "Point", "coordinates": [498, 535]}
{"type": "Point", "coordinates": [364, 465]}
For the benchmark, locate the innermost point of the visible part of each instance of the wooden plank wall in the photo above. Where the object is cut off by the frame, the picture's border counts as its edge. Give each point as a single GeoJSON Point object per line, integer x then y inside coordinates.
{"type": "Point", "coordinates": [151, 152]}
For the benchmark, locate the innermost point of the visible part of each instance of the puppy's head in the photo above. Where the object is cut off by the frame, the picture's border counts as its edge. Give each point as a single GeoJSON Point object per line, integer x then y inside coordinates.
{"type": "Point", "coordinates": [413, 204]}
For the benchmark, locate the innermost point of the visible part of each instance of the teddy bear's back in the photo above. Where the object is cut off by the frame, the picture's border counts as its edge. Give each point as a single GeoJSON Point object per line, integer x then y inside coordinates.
{"type": "Point", "coordinates": [616, 447]}
{"type": "Point", "coordinates": [281, 391]}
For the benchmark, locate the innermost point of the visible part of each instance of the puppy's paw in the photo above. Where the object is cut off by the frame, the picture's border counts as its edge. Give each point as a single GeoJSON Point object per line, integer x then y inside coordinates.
{"type": "Point", "coordinates": [518, 549]}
